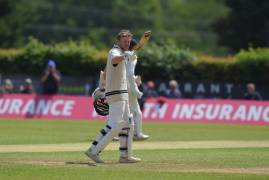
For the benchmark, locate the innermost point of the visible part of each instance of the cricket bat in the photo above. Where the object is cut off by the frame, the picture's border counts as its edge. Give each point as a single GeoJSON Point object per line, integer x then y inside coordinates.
{"type": "Point", "coordinates": [143, 40]}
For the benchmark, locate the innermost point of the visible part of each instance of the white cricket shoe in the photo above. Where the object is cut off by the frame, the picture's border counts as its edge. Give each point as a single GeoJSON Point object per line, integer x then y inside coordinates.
{"type": "Point", "coordinates": [129, 160]}
{"type": "Point", "coordinates": [93, 157]}
{"type": "Point", "coordinates": [140, 137]}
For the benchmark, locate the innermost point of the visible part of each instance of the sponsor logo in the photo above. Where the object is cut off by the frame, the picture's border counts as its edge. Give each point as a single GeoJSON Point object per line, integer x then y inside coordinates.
{"type": "Point", "coordinates": [155, 109]}
{"type": "Point", "coordinates": [16, 106]}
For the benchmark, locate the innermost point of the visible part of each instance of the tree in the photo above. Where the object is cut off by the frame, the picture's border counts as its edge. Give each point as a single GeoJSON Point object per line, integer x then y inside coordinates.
{"type": "Point", "coordinates": [186, 22]}
{"type": "Point", "coordinates": [247, 25]}
{"type": "Point", "coordinates": [15, 17]}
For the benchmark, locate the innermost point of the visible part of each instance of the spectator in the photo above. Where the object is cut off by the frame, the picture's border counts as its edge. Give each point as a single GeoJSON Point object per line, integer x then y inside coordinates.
{"type": "Point", "coordinates": [7, 87]}
{"type": "Point", "coordinates": [252, 94]}
{"type": "Point", "coordinates": [173, 91]}
{"type": "Point", "coordinates": [51, 79]}
{"type": "Point", "coordinates": [162, 89]}
{"type": "Point", "coordinates": [27, 87]}
{"type": "Point", "coordinates": [150, 91]}
{"type": "Point", "coordinates": [87, 89]}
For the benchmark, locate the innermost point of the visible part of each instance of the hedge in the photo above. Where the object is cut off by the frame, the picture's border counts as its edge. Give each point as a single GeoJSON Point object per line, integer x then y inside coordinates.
{"type": "Point", "coordinates": [156, 61]}
{"type": "Point", "coordinates": [254, 65]}
{"type": "Point", "coordinates": [163, 60]}
{"type": "Point", "coordinates": [72, 58]}
{"type": "Point", "coordinates": [247, 66]}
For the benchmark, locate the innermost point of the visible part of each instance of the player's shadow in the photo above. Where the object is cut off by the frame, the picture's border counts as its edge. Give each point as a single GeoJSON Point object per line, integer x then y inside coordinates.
{"type": "Point", "coordinates": [83, 163]}
{"type": "Point", "coordinates": [37, 98]}
{"type": "Point", "coordinates": [80, 163]}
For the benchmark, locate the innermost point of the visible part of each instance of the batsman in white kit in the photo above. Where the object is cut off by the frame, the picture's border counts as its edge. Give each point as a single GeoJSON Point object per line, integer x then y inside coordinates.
{"type": "Point", "coordinates": [119, 119]}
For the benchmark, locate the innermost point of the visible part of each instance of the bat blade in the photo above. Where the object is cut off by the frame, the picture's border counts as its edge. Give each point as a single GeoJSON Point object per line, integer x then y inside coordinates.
{"type": "Point", "coordinates": [143, 40]}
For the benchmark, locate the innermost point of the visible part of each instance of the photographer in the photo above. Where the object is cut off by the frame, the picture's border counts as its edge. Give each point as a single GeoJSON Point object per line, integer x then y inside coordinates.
{"type": "Point", "coordinates": [51, 79]}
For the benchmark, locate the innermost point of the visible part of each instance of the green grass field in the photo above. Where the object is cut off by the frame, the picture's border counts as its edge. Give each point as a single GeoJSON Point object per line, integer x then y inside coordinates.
{"type": "Point", "coordinates": [197, 162]}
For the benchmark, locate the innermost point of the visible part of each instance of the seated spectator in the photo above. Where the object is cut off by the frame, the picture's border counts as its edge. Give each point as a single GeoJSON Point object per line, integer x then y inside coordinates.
{"type": "Point", "coordinates": [27, 87]}
{"type": "Point", "coordinates": [252, 94]}
{"type": "Point", "coordinates": [162, 89]}
{"type": "Point", "coordinates": [7, 87]}
{"type": "Point", "coordinates": [51, 79]}
{"type": "Point", "coordinates": [173, 91]}
{"type": "Point", "coordinates": [150, 91]}
{"type": "Point", "coordinates": [87, 89]}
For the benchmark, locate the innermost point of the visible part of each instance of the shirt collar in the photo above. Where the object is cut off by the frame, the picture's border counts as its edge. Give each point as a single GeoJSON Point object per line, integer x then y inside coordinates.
{"type": "Point", "coordinates": [118, 47]}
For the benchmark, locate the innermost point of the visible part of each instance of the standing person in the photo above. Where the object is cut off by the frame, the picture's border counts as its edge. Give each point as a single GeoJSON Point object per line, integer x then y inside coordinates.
{"type": "Point", "coordinates": [51, 79]}
{"type": "Point", "coordinates": [135, 94]}
{"type": "Point", "coordinates": [252, 94]}
{"type": "Point", "coordinates": [119, 120]}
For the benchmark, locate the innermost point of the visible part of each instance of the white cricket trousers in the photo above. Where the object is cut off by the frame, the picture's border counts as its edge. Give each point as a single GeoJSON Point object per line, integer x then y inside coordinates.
{"type": "Point", "coordinates": [119, 122]}
{"type": "Point", "coordinates": [119, 113]}
{"type": "Point", "coordinates": [137, 114]}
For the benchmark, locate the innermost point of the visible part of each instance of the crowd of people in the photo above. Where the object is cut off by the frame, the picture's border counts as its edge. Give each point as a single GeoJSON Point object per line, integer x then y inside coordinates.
{"type": "Point", "coordinates": [149, 90]}
{"type": "Point", "coordinates": [173, 91]}
{"type": "Point", "coordinates": [26, 88]}
{"type": "Point", "coordinates": [51, 79]}
{"type": "Point", "coordinates": [50, 82]}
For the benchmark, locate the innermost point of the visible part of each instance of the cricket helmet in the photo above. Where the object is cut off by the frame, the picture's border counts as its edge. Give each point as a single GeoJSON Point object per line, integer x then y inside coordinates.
{"type": "Point", "coordinates": [132, 43]}
{"type": "Point", "coordinates": [100, 105]}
